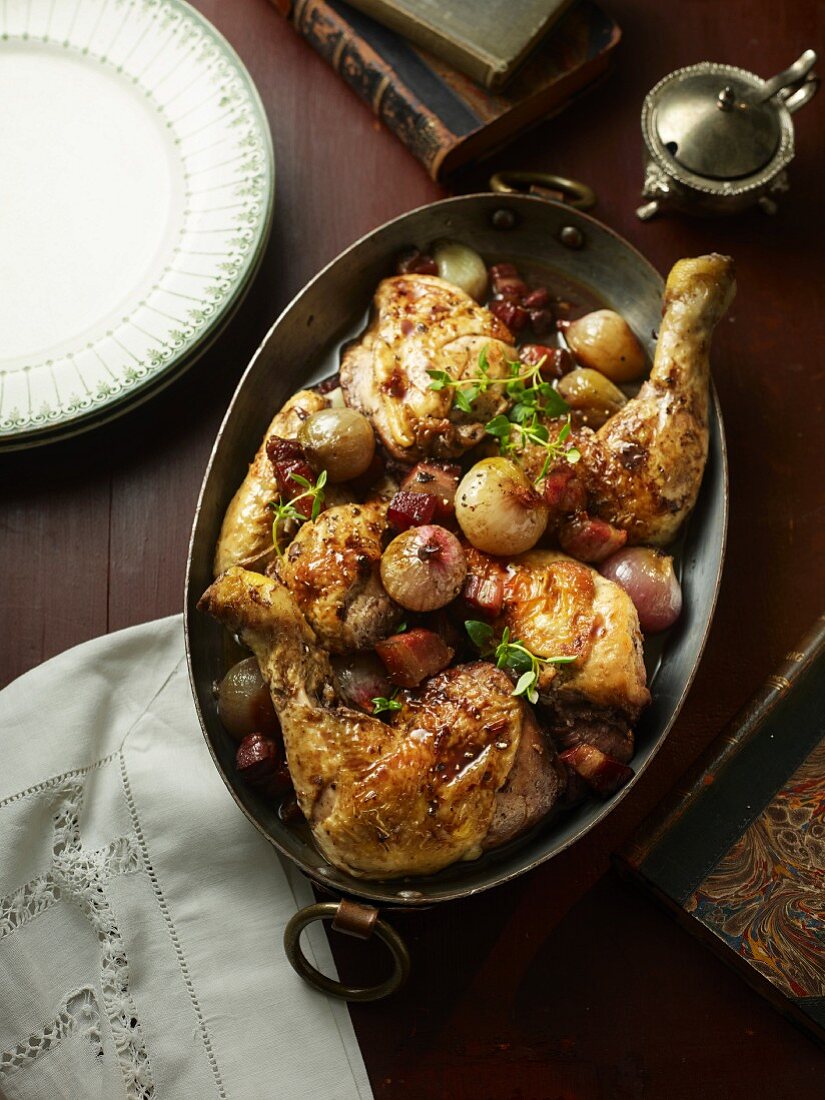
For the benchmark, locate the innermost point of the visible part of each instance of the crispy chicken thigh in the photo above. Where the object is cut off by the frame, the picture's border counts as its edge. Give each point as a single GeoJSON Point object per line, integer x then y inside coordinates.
{"type": "Point", "coordinates": [643, 468]}
{"type": "Point", "coordinates": [332, 570]}
{"type": "Point", "coordinates": [462, 766]}
{"type": "Point", "coordinates": [246, 533]}
{"type": "Point", "coordinates": [558, 607]}
{"type": "Point", "coordinates": [423, 323]}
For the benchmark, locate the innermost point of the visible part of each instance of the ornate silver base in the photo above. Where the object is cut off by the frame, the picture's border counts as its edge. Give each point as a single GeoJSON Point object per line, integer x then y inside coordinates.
{"type": "Point", "coordinates": [663, 194]}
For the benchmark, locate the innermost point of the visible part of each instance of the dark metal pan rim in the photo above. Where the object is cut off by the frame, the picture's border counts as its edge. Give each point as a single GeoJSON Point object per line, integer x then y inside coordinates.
{"type": "Point", "coordinates": [424, 891]}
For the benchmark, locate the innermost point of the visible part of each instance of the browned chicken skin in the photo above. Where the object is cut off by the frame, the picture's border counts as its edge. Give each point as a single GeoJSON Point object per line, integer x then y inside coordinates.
{"type": "Point", "coordinates": [643, 468]}
{"type": "Point", "coordinates": [246, 532]}
{"type": "Point", "coordinates": [558, 607]}
{"type": "Point", "coordinates": [423, 323]}
{"type": "Point", "coordinates": [332, 570]}
{"type": "Point", "coordinates": [461, 768]}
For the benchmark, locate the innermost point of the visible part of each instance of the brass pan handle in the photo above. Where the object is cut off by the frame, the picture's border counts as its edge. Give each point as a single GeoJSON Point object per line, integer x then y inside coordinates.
{"type": "Point", "coordinates": [361, 921]}
{"type": "Point", "coordinates": [546, 186]}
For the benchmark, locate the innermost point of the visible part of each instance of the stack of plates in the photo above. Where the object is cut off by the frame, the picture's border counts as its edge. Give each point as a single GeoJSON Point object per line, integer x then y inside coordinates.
{"type": "Point", "coordinates": [137, 182]}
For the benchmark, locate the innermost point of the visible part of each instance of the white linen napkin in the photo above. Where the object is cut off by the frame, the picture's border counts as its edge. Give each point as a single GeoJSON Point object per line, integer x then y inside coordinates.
{"type": "Point", "coordinates": [141, 915]}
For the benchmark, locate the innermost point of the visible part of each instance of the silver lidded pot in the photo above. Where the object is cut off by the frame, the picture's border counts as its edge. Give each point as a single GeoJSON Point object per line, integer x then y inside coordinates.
{"type": "Point", "coordinates": [718, 139]}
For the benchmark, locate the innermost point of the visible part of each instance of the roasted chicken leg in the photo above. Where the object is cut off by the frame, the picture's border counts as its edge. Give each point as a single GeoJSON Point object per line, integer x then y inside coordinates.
{"type": "Point", "coordinates": [461, 768]}
{"type": "Point", "coordinates": [643, 468]}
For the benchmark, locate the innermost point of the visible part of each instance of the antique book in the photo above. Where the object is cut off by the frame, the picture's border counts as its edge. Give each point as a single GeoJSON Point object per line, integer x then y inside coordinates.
{"type": "Point", "coordinates": [444, 118]}
{"type": "Point", "coordinates": [738, 851]}
{"type": "Point", "coordinates": [485, 41]}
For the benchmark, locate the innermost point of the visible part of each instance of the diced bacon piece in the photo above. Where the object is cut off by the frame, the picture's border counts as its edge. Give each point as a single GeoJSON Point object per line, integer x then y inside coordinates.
{"type": "Point", "coordinates": [601, 772]}
{"type": "Point", "coordinates": [506, 282]}
{"type": "Point", "coordinates": [564, 491]}
{"type": "Point", "coordinates": [589, 539]}
{"type": "Point", "coordinates": [261, 763]}
{"type": "Point", "coordinates": [484, 587]}
{"type": "Point", "coordinates": [329, 384]}
{"type": "Point", "coordinates": [411, 510]}
{"type": "Point", "coordinates": [537, 299]}
{"type": "Point", "coordinates": [416, 263]}
{"type": "Point", "coordinates": [439, 480]}
{"type": "Point", "coordinates": [411, 657]}
{"type": "Point", "coordinates": [288, 457]}
{"type": "Point", "coordinates": [542, 321]}
{"type": "Point", "coordinates": [556, 361]}
{"type": "Point", "coordinates": [503, 271]}
{"type": "Point", "coordinates": [511, 314]}
{"type": "Point", "coordinates": [484, 595]}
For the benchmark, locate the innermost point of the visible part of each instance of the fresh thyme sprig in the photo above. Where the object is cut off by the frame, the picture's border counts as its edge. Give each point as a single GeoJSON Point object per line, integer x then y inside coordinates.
{"type": "Point", "coordinates": [284, 511]}
{"type": "Point", "coordinates": [466, 389]}
{"type": "Point", "coordinates": [382, 703]}
{"type": "Point", "coordinates": [515, 437]}
{"type": "Point", "coordinates": [531, 397]}
{"type": "Point", "coordinates": [513, 655]}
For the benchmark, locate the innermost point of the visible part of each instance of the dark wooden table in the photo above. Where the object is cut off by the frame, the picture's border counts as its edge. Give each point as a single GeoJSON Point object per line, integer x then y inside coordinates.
{"type": "Point", "coordinates": [566, 983]}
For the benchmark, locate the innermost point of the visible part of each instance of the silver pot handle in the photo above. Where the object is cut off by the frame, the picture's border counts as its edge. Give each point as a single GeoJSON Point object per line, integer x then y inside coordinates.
{"type": "Point", "coordinates": [801, 96]}
{"type": "Point", "coordinates": [794, 85]}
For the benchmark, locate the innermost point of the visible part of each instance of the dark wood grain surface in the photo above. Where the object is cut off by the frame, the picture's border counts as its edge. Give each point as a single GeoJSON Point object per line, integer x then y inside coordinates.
{"type": "Point", "coordinates": [566, 983]}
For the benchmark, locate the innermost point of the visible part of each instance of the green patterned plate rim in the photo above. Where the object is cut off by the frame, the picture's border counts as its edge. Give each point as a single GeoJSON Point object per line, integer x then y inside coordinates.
{"type": "Point", "coordinates": [138, 171]}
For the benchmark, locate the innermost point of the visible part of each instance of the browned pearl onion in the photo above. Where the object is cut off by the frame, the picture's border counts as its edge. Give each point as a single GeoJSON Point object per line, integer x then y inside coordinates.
{"type": "Point", "coordinates": [244, 703]}
{"type": "Point", "coordinates": [461, 266]}
{"type": "Point", "coordinates": [604, 341]}
{"type": "Point", "coordinates": [591, 395]}
{"type": "Point", "coordinates": [498, 509]}
{"type": "Point", "coordinates": [340, 441]}
{"type": "Point", "coordinates": [423, 568]}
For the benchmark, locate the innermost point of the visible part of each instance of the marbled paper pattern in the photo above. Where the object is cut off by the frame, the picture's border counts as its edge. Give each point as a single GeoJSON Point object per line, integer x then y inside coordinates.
{"type": "Point", "coordinates": [766, 896]}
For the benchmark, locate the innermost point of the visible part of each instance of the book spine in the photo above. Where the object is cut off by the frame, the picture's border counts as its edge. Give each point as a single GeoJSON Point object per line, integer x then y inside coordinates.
{"type": "Point", "coordinates": [740, 731]}
{"type": "Point", "coordinates": [372, 79]}
{"type": "Point", "coordinates": [416, 29]}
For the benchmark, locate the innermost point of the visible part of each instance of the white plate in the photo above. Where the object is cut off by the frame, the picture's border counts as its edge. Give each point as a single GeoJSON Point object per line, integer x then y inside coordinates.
{"type": "Point", "coordinates": [136, 183]}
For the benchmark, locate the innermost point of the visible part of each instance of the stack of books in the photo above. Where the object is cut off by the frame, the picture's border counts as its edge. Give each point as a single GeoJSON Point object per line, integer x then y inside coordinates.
{"type": "Point", "coordinates": [525, 61]}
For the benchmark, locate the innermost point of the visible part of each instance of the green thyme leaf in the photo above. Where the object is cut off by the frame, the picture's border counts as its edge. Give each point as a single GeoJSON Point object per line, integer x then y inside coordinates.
{"type": "Point", "coordinates": [285, 510]}
{"type": "Point", "coordinates": [514, 656]}
{"type": "Point", "coordinates": [440, 379]}
{"type": "Point", "coordinates": [527, 686]}
{"type": "Point", "coordinates": [500, 427]}
{"type": "Point", "coordinates": [481, 634]}
{"type": "Point", "coordinates": [381, 703]}
{"type": "Point", "coordinates": [464, 398]}
{"type": "Point", "coordinates": [554, 404]}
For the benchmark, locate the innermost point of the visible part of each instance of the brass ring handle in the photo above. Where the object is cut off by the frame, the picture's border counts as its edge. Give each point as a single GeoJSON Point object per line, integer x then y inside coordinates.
{"type": "Point", "coordinates": [545, 185]}
{"type": "Point", "coordinates": [355, 920]}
